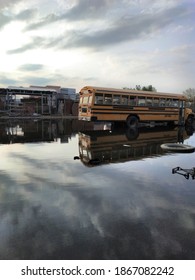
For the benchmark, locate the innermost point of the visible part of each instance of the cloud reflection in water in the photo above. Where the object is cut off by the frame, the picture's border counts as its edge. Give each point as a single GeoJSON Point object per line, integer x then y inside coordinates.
{"type": "Point", "coordinates": [60, 209]}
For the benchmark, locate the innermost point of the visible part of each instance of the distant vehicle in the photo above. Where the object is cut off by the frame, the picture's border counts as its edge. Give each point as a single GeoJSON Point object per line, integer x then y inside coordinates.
{"type": "Point", "coordinates": [132, 106]}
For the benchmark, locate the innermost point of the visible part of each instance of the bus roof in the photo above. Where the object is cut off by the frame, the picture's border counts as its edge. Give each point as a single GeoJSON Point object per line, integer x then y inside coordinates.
{"type": "Point", "coordinates": [137, 92]}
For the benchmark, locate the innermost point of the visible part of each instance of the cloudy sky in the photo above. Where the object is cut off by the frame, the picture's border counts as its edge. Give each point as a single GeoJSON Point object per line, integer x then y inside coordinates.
{"type": "Point", "coordinates": [73, 43]}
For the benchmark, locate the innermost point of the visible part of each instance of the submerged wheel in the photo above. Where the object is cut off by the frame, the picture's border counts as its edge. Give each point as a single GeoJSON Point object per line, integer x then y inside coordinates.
{"type": "Point", "coordinates": [132, 133]}
{"type": "Point", "coordinates": [178, 148]}
{"type": "Point", "coordinates": [132, 122]}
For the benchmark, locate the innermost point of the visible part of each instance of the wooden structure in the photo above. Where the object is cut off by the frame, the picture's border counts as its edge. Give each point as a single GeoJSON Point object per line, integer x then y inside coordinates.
{"type": "Point", "coordinates": [35, 100]}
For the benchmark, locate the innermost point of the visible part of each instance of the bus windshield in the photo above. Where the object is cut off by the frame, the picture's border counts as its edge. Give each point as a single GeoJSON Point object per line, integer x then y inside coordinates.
{"type": "Point", "coordinates": [86, 99]}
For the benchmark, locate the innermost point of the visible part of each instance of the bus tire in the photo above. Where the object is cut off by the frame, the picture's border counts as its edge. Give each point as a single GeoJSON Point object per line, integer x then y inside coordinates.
{"type": "Point", "coordinates": [178, 148]}
{"type": "Point", "coordinates": [132, 133]}
{"type": "Point", "coordinates": [189, 120]}
{"type": "Point", "coordinates": [132, 122]}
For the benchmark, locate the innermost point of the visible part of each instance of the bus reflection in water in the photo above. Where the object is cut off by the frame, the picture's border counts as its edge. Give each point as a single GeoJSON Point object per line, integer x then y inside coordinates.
{"type": "Point", "coordinates": [103, 147]}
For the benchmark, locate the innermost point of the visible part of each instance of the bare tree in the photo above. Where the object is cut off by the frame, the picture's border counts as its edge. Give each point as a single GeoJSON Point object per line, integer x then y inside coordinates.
{"type": "Point", "coordinates": [144, 88]}
{"type": "Point", "coordinates": [190, 94]}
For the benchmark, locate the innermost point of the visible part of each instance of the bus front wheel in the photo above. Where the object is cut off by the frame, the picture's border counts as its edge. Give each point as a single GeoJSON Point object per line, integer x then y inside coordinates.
{"type": "Point", "coordinates": [132, 122]}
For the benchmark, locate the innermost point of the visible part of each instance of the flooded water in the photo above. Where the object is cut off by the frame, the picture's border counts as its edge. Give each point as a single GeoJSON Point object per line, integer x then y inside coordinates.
{"type": "Point", "coordinates": [68, 192]}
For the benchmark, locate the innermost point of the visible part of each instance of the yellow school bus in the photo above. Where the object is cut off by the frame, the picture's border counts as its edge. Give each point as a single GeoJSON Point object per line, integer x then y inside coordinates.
{"type": "Point", "coordinates": [132, 106]}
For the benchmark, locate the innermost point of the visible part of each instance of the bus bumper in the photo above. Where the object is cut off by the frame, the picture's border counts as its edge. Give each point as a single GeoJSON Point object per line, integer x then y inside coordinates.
{"type": "Point", "coordinates": [83, 118]}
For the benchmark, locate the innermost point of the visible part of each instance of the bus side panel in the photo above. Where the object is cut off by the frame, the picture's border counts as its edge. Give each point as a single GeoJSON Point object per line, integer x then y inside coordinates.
{"type": "Point", "coordinates": [143, 114]}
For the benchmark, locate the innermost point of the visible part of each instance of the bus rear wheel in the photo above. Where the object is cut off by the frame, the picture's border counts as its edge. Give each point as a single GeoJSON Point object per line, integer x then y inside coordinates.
{"type": "Point", "coordinates": [132, 122]}
{"type": "Point", "coordinates": [189, 120]}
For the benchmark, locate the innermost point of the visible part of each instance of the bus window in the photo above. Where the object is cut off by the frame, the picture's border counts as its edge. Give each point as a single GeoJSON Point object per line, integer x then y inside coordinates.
{"type": "Point", "coordinates": [155, 101]}
{"type": "Point", "coordinates": [175, 103]}
{"type": "Point", "coordinates": [124, 100]}
{"type": "Point", "coordinates": [169, 102]}
{"type": "Point", "coordinates": [188, 104]}
{"type": "Point", "coordinates": [149, 101]}
{"type": "Point", "coordinates": [132, 101]}
{"type": "Point", "coordinates": [116, 99]}
{"type": "Point", "coordinates": [90, 99]}
{"type": "Point", "coordinates": [107, 99]}
{"type": "Point", "coordinates": [85, 100]}
{"type": "Point", "coordinates": [99, 98]}
{"type": "Point", "coordinates": [141, 101]}
{"type": "Point", "coordinates": [162, 102]}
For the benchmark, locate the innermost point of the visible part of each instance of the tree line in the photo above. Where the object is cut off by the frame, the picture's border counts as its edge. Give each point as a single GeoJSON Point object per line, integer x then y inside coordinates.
{"type": "Point", "coordinates": [144, 88]}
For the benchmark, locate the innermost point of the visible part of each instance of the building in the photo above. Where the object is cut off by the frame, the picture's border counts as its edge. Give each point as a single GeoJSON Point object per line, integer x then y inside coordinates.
{"type": "Point", "coordinates": [47, 100]}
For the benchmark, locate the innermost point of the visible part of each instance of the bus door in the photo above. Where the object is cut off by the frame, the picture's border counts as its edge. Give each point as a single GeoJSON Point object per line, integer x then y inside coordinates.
{"type": "Point", "coordinates": [181, 112]}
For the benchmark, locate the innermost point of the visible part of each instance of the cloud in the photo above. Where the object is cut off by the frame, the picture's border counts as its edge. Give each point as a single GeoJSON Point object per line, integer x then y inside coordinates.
{"type": "Point", "coordinates": [4, 17]}
{"type": "Point", "coordinates": [82, 11]}
{"type": "Point", "coordinates": [28, 76]}
{"type": "Point", "coordinates": [6, 80]}
{"type": "Point", "coordinates": [36, 42]}
{"type": "Point", "coordinates": [31, 67]}
{"type": "Point", "coordinates": [126, 29]}
{"type": "Point", "coordinates": [26, 14]}
{"type": "Point", "coordinates": [4, 20]}
{"type": "Point", "coordinates": [121, 30]}
{"type": "Point", "coordinates": [93, 34]}
{"type": "Point", "coordinates": [49, 79]}
{"type": "Point", "coordinates": [34, 80]}
{"type": "Point", "coordinates": [85, 9]}
{"type": "Point", "coordinates": [7, 3]}
{"type": "Point", "coordinates": [51, 18]}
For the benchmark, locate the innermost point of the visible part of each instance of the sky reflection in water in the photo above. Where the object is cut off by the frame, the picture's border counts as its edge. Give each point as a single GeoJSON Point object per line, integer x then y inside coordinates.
{"type": "Point", "coordinates": [55, 207]}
